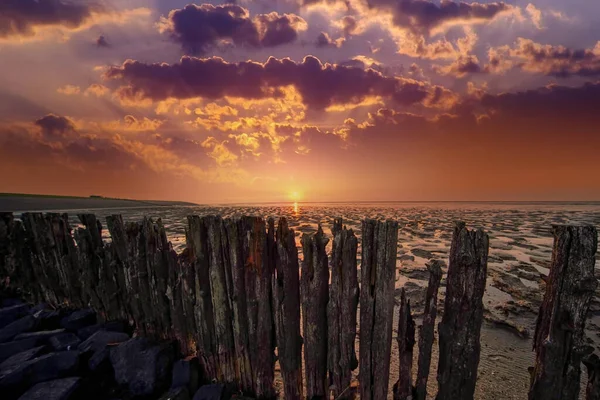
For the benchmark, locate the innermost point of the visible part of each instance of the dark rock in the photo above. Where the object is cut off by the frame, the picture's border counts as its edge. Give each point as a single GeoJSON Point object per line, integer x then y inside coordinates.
{"type": "Point", "coordinates": [38, 307]}
{"type": "Point", "coordinates": [210, 392]}
{"type": "Point", "coordinates": [21, 325]}
{"type": "Point", "coordinates": [21, 357]}
{"type": "Point", "coordinates": [88, 331]}
{"type": "Point", "coordinates": [9, 349]}
{"type": "Point", "coordinates": [12, 313]}
{"type": "Point", "coordinates": [180, 393]}
{"type": "Point", "coordinates": [49, 319]}
{"type": "Point", "coordinates": [141, 366]}
{"type": "Point", "coordinates": [186, 373]}
{"type": "Point", "coordinates": [64, 341]}
{"type": "Point", "coordinates": [100, 360]}
{"type": "Point", "coordinates": [112, 326]}
{"type": "Point", "coordinates": [59, 389]}
{"type": "Point", "coordinates": [407, 257]}
{"type": "Point", "coordinates": [40, 336]}
{"type": "Point", "coordinates": [40, 369]}
{"type": "Point", "coordinates": [79, 319]}
{"type": "Point", "coordinates": [101, 339]}
{"type": "Point", "coordinates": [11, 301]}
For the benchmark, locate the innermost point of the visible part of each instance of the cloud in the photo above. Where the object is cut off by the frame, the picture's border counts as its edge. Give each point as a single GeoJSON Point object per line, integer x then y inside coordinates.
{"type": "Point", "coordinates": [319, 85]}
{"type": "Point", "coordinates": [69, 90]}
{"type": "Point", "coordinates": [96, 90]}
{"type": "Point", "coordinates": [200, 28]}
{"type": "Point", "coordinates": [323, 40]}
{"type": "Point", "coordinates": [54, 126]}
{"type": "Point", "coordinates": [464, 65]}
{"type": "Point", "coordinates": [25, 19]}
{"type": "Point", "coordinates": [102, 42]}
{"type": "Point", "coordinates": [558, 61]}
{"type": "Point", "coordinates": [535, 14]}
{"type": "Point", "coordinates": [424, 17]}
{"type": "Point", "coordinates": [22, 17]}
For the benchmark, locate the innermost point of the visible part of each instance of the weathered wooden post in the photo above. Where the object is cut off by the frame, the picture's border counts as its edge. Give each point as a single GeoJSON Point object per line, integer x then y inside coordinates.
{"type": "Point", "coordinates": [286, 300]}
{"type": "Point", "coordinates": [341, 311]}
{"type": "Point", "coordinates": [250, 297]}
{"type": "Point", "coordinates": [427, 329]}
{"type": "Point", "coordinates": [314, 290]}
{"type": "Point", "coordinates": [15, 258]}
{"type": "Point", "coordinates": [592, 390]}
{"type": "Point", "coordinates": [378, 275]}
{"type": "Point", "coordinates": [403, 389]}
{"type": "Point", "coordinates": [559, 340]}
{"type": "Point", "coordinates": [460, 327]}
{"type": "Point", "coordinates": [197, 244]}
{"type": "Point", "coordinates": [220, 280]}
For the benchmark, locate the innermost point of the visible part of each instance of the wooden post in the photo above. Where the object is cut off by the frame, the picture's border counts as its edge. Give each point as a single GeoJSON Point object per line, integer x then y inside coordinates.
{"type": "Point", "coordinates": [426, 331]}
{"type": "Point", "coordinates": [592, 391]}
{"type": "Point", "coordinates": [559, 340]}
{"type": "Point", "coordinates": [378, 275]}
{"type": "Point", "coordinates": [259, 255]}
{"type": "Point", "coordinates": [460, 327]}
{"type": "Point", "coordinates": [197, 243]}
{"type": "Point", "coordinates": [286, 299]}
{"type": "Point", "coordinates": [403, 389]}
{"type": "Point", "coordinates": [341, 311]}
{"type": "Point", "coordinates": [314, 288]}
{"type": "Point", "coordinates": [250, 297]}
{"type": "Point", "coordinates": [220, 281]}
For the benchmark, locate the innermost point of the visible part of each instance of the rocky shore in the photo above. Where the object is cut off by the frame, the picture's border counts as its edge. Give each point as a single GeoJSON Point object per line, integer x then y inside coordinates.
{"type": "Point", "coordinates": [61, 354]}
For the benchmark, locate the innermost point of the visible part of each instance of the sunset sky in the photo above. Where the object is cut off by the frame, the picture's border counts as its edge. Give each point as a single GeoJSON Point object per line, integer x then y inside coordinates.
{"type": "Point", "coordinates": [310, 100]}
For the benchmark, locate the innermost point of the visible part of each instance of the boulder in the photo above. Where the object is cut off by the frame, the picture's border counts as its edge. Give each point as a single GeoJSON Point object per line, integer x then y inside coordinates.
{"type": "Point", "coordinates": [49, 319]}
{"type": "Point", "coordinates": [11, 301]}
{"type": "Point", "coordinates": [112, 326]}
{"type": "Point", "coordinates": [210, 392]}
{"type": "Point", "coordinates": [180, 393]}
{"type": "Point", "coordinates": [21, 325]}
{"type": "Point", "coordinates": [21, 357]}
{"type": "Point", "coordinates": [58, 389]}
{"type": "Point", "coordinates": [101, 339]}
{"type": "Point", "coordinates": [40, 369]}
{"type": "Point", "coordinates": [141, 366]}
{"type": "Point", "coordinates": [79, 319]}
{"type": "Point", "coordinates": [64, 341]}
{"type": "Point", "coordinates": [41, 337]}
{"type": "Point", "coordinates": [11, 314]}
{"type": "Point", "coordinates": [9, 349]}
{"type": "Point", "coordinates": [186, 373]}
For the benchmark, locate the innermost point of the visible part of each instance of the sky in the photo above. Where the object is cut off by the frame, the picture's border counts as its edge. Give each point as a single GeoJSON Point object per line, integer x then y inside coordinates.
{"type": "Point", "coordinates": [301, 100]}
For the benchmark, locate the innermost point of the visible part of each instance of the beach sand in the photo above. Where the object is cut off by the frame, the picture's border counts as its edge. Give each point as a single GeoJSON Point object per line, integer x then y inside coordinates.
{"type": "Point", "coordinates": [520, 253]}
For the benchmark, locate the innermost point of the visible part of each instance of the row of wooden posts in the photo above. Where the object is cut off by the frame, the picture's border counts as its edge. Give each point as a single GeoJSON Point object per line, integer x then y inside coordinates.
{"type": "Point", "coordinates": [236, 296]}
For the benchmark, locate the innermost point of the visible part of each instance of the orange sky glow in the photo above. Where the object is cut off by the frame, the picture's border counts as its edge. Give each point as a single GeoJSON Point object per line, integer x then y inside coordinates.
{"type": "Point", "coordinates": [301, 100]}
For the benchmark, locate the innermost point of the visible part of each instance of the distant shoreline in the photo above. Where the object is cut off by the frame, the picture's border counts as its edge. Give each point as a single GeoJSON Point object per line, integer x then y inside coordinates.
{"type": "Point", "coordinates": [16, 202]}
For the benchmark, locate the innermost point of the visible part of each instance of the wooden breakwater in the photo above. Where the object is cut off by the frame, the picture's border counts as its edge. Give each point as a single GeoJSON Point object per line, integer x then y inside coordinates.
{"type": "Point", "coordinates": [238, 299]}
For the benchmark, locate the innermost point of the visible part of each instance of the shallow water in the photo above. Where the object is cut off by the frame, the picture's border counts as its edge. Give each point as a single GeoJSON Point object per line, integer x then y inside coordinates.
{"type": "Point", "coordinates": [520, 251]}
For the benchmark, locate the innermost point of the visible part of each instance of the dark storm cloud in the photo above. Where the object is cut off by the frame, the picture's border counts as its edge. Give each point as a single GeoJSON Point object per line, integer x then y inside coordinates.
{"type": "Point", "coordinates": [54, 126]}
{"type": "Point", "coordinates": [422, 16]}
{"type": "Point", "coordinates": [199, 28]}
{"type": "Point", "coordinates": [320, 85]}
{"type": "Point", "coordinates": [21, 17]}
{"type": "Point", "coordinates": [557, 61]}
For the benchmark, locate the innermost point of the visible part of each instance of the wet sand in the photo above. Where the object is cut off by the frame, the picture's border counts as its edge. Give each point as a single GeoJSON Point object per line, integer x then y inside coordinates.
{"type": "Point", "coordinates": [520, 254]}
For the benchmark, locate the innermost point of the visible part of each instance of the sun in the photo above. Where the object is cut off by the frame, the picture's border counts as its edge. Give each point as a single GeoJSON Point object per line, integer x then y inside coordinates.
{"type": "Point", "coordinates": [295, 195]}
